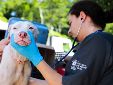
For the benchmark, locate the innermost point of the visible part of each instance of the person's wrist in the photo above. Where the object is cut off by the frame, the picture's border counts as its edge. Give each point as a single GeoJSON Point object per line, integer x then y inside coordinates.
{"type": "Point", "coordinates": [36, 59]}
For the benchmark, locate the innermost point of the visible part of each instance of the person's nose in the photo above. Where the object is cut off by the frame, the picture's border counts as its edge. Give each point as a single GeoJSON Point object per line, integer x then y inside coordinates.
{"type": "Point", "coordinates": [22, 34]}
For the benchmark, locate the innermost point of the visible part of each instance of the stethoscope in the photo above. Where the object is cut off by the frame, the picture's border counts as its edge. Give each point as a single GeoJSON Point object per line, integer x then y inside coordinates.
{"type": "Point", "coordinates": [72, 48]}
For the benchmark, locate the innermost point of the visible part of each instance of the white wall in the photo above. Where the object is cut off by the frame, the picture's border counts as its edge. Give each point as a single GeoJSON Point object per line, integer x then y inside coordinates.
{"type": "Point", "coordinates": [3, 25]}
{"type": "Point", "coordinates": [57, 43]}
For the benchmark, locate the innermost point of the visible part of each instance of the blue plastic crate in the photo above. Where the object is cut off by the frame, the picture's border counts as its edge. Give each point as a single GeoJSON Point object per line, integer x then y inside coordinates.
{"type": "Point", "coordinates": [43, 32]}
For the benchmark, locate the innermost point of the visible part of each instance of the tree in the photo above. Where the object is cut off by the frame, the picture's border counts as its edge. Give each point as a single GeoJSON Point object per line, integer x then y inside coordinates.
{"type": "Point", "coordinates": [105, 4]}
{"type": "Point", "coordinates": [53, 13]}
{"type": "Point", "coordinates": [50, 12]}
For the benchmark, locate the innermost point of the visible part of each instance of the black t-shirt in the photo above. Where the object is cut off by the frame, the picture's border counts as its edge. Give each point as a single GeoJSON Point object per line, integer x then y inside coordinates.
{"type": "Point", "coordinates": [92, 63]}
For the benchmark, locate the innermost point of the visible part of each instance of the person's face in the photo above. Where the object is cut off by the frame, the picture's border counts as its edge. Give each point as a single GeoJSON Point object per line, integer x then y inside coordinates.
{"type": "Point", "coordinates": [74, 24]}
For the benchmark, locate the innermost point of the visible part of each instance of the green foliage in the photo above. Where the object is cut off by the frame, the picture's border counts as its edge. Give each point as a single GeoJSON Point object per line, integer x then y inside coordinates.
{"type": "Point", "coordinates": [54, 33]}
{"type": "Point", "coordinates": [23, 9]}
{"type": "Point", "coordinates": [105, 4]}
{"type": "Point", "coordinates": [2, 17]}
{"type": "Point", "coordinates": [66, 47]}
{"type": "Point", "coordinates": [53, 13]}
{"type": "Point", "coordinates": [109, 28]}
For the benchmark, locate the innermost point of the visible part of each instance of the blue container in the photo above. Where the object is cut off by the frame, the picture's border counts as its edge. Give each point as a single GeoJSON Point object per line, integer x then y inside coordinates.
{"type": "Point", "coordinates": [43, 29]}
{"type": "Point", "coordinates": [43, 32]}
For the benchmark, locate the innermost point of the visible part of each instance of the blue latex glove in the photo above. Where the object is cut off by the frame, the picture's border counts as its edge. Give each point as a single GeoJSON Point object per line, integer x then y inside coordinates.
{"type": "Point", "coordinates": [31, 51]}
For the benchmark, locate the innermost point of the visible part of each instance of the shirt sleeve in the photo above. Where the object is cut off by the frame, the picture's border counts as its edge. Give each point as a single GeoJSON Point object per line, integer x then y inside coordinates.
{"type": "Point", "coordinates": [92, 54]}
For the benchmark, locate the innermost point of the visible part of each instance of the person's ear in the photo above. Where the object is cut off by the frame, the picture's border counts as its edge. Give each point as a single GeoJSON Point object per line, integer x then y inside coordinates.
{"type": "Point", "coordinates": [82, 16]}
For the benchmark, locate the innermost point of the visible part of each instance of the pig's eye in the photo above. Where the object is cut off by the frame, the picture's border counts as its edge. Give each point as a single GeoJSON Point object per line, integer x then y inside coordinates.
{"type": "Point", "coordinates": [14, 28]}
{"type": "Point", "coordinates": [31, 28]}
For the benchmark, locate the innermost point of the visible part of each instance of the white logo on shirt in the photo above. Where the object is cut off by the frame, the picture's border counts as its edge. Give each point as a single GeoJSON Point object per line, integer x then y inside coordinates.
{"type": "Point", "coordinates": [77, 65]}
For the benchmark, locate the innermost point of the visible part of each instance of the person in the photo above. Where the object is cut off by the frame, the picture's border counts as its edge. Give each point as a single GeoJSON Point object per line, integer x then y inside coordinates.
{"type": "Point", "coordinates": [3, 43]}
{"type": "Point", "coordinates": [92, 62]}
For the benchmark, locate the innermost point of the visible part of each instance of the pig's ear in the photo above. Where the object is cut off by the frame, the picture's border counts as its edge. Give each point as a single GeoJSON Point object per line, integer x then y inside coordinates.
{"type": "Point", "coordinates": [8, 36]}
{"type": "Point", "coordinates": [9, 29]}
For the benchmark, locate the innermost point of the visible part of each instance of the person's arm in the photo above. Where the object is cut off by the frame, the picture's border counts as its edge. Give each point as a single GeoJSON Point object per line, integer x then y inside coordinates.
{"type": "Point", "coordinates": [34, 81]}
{"type": "Point", "coordinates": [52, 77]}
{"type": "Point", "coordinates": [3, 43]}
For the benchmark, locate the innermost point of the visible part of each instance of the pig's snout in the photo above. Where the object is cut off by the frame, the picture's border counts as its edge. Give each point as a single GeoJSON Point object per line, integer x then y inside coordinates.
{"type": "Point", "coordinates": [22, 34]}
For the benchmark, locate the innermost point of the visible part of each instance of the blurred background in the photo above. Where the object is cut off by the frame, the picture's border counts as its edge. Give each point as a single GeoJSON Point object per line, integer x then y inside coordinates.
{"type": "Point", "coordinates": [50, 13]}
{"type": "Point", "coordinates": [51, 17]}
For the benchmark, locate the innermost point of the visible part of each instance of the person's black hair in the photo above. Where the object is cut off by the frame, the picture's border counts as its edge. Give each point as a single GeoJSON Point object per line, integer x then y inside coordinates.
{"type": "Point", "coordinates": [94, 11]}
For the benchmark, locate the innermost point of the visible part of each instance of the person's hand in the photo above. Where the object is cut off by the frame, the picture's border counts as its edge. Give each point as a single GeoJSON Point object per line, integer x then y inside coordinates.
{"type": "Point", "coordinates": [3, 43]}
{"type": "Point", "coordinates": [30, 51]}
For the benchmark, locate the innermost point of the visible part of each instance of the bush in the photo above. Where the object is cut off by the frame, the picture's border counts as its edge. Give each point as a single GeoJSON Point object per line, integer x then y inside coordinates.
{"type": "Point", "coordinates": [109, 28]}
